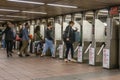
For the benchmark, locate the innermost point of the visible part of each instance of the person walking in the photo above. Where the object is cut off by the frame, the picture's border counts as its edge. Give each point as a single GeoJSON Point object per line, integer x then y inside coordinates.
{"type": "Point", "coordinates": [9, 37]}
{"type": "Point", "coordinates": [25, 41]}
{"type": "Point", "coordinates": [49, 40]}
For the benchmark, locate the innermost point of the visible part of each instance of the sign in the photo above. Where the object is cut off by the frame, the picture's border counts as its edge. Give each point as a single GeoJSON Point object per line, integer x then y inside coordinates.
{"type": "Point", "coordinates": [106, 58]}
{"type": "Point", "coordinates": [80, 55]}
{"type": "Point", "coordinates": [114, 11]}
{"type": "Point", "coordinates": [60, 51]}
{"type": "Point", "coordinates": [92, 56]}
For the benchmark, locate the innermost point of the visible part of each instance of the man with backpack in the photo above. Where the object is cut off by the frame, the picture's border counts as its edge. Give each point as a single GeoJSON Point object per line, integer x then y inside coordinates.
{"type": "Point", "coordinates": [9, 38]}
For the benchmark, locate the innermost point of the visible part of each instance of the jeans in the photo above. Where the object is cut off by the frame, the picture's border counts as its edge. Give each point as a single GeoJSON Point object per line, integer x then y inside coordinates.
{"type": "Point", "coordinates": [3, 44]}
{"type": "Point", "coordinates": [49, 44]}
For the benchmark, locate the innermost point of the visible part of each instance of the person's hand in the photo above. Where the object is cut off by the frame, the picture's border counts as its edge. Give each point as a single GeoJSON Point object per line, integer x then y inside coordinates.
{"type": "Point", "coordinates": [67, 39]}
{"type": "Point", "coordinates": [76, 28]}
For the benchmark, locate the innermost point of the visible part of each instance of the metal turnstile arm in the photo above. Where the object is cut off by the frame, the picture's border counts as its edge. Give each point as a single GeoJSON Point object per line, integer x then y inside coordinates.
{"type": "Point", "coordinates": [88, 48]}
{"type": "Point", "coordinates": [103, 45]}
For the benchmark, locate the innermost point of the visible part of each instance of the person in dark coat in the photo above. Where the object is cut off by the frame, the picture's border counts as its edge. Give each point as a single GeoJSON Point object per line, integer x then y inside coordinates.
{"type": "Point", "coordinates": [69, 40]}
{"type": "Point", "coordinates": [9, 38]}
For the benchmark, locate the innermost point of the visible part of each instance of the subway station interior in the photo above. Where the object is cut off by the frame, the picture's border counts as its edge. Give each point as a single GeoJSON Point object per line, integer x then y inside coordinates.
{"type": "Point", "coordinates": [96, 46]}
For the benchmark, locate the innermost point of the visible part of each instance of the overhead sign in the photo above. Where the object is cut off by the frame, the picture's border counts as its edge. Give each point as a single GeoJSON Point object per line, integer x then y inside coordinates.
{"type": "Point", "coordinates": [114, 11]}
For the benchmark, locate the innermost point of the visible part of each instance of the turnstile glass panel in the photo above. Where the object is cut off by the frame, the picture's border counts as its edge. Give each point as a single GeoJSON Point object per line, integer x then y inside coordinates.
{"type": "Point", "coordinates": [99, 31]}
{"type": "Point", "coordinates": [87, 31]}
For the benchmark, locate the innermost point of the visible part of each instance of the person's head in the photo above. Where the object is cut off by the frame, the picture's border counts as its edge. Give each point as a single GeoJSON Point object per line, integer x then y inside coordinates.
{"type": "Point", "coordinates": [26, 25]}
{"type": "Point", "coordinates": [71, 23]}
{"type": "Point", "coordinates": [37, 28]}
{"type": "Point", "coordinates": [10, 24]}
{"type": "Point", "coordinates": [49, 26]}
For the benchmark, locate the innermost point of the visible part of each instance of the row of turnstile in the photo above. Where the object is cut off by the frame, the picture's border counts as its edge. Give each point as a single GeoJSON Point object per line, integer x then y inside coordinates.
{"type": "Point", "coordinates": [96, 41]}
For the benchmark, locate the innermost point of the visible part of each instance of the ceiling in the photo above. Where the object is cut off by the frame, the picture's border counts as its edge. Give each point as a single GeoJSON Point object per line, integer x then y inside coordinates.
{"type": "Point", "coordinates": [50, 10]}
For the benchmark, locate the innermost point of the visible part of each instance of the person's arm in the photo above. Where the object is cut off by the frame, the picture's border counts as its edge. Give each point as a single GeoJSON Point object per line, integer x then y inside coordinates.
{"type": "Point", "coordinates": [26, 34]}
{"type": "Point", "coordinates": [4, 31]}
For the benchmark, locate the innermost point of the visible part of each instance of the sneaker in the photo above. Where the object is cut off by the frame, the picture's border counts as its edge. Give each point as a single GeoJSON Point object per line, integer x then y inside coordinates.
{"type": "Point", "coordinates": [66, 60]}
{"type": "Point", "coordinates": [42, 55]}
{"type": "Point", "coordinates": [73, 60]}
{"type": "Point", "coordinates": [27, 55]}
{"type": "Point", "coordinates": [20, 55]}
{"type": "Point", "coordinates": [11, 51]}
{"type": "Point", "coordinates": [10, 54]}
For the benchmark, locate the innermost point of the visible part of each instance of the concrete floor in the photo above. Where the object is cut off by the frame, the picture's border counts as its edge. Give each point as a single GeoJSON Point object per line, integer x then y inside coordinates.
{"type": "Point", "coordinates": [46, 68]}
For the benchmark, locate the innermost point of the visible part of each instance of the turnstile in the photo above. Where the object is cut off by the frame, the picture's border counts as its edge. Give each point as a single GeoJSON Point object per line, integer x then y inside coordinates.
{"type": "Point", "coordinates": [110, 52]}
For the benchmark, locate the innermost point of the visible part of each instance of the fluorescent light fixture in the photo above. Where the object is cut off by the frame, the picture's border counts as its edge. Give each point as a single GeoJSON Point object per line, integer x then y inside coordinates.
{"type": "Point", "coordinates": [9, 10]}
{"type": "Point", "coordinates": [16, 16]}
{"type": "Point", "coordinates": [59, 5]}
{"type": "Point", "coordinates": [104, 11]}
{"type": "Point", "coordinates": [2, 15]}
{"type": "Point", "coordinates": [29, 2]}
{"type": "Point", "coordinates": [34, 12]}
{"type": "Point", "coordinates": [5, 19]}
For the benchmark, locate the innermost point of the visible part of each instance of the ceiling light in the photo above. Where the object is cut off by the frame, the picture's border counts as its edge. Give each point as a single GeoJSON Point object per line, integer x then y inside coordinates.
{"type": "Point", "coordinates": [29, 2]}
{"type": "Point", "coordinates": [9, 10]}
{"type": "Point", "coordinates": [16, 16]}
{"type": "Point", "coordinates": [5, 19]}
{"type": "Point", "coordinates": [34, 12]}
{"type": "Point", "coordinates": [1, 15]}
{"type": "Point", "coordinates": [59, 5]}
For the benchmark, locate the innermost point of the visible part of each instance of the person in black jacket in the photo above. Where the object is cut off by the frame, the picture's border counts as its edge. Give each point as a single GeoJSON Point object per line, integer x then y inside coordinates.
{"type": "Point", "coordinates": [9, 37]}
{"type": "Point", "coordinates": [69, 40]}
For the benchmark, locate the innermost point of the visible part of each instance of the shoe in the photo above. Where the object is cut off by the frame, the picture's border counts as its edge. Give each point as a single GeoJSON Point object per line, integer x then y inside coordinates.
{"type": "Point", "coordinates": [20, 55]}
{"type": "Point", "coordinates": [10, 54]}
{"type": "Point", "coordinates": [42, 55]}
{"type": "Point", "coordinates": [27, 55]}
{"type": "Point", "coordinates": [66, 60]}
{"type": "Point", "coordinates": [73, 60]}
{"type": "Point", "coordinates": [11, 51]}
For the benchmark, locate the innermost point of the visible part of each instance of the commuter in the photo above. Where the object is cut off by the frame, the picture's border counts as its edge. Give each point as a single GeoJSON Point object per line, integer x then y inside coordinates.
{"type": "Point", "coordinates": [69, 39]}
{"type": "Point", "coordinates": [25, 41]}
{"type": "Point", "coordinates": [9, 37]}
{"type": "Point", "coordinates": [38, 39]}
{"type": "Point", "coordinates": [49, 40]}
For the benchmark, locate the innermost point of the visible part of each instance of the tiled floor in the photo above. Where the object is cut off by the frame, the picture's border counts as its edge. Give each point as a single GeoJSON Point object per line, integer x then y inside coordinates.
{"type": "Point", "coordinates": [36, 68]}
